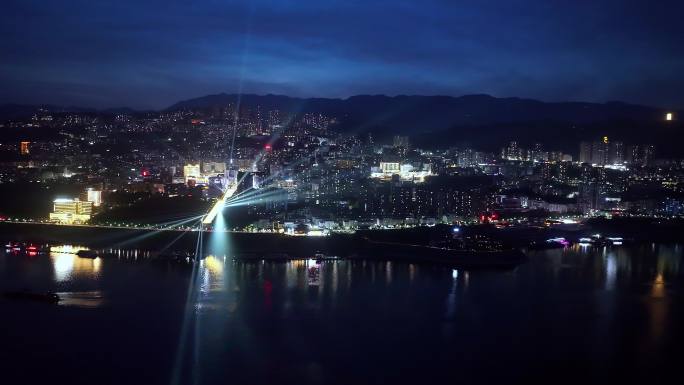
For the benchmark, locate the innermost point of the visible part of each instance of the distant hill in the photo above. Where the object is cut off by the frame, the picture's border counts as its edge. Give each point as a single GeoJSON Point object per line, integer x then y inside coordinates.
{"type": "Point", "coordinates": [480, 120]}
{"type": "Point", "coordinates": [422, 113]}
{"type": "Point", "coordinates": [19, 111]}
{"type": "Point", "coordinates": [22, 111]}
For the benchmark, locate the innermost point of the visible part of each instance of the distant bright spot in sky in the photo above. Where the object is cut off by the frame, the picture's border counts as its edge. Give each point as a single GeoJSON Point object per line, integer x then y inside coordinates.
{"type": "Point", "coordinates": [669, 116]}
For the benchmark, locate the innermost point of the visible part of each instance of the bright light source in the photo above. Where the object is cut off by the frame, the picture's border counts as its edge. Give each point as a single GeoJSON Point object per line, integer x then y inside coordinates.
{"type": "Point", "coordinates": [669, 116]}
{"type": "Point", "coordinates": [209, 218]}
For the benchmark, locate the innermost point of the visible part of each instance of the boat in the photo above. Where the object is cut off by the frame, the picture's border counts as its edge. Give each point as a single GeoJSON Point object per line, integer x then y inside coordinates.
{"type": "Point", "coordinates": [92, 254]}
{"type": "Point", "coordinates": [30, 296]}
{"type": "Point", "coordinates": [600, 240]}
{"type": "Point", "coordinates": [552, 243]}
{"type": "Point", "coordinates": [30, 249]}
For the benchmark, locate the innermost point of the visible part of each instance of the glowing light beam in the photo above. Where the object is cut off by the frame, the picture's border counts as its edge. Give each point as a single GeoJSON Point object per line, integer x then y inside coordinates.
{"type": "Point", "coordinates": [219, 205]}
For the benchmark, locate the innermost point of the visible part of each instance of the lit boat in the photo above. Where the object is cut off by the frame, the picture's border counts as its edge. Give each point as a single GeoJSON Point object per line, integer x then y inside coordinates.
{"type": "Point", "coordinates": [559, 242]}
{"type": "Point", "coordinates": [599, 240]}
{"type": "Point", "coordinates": [551, 243]}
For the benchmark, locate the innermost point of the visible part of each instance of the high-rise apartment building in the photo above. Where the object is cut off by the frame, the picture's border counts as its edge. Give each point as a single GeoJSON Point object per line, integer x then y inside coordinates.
{"type": "Point", "coordinates": [602, 152]}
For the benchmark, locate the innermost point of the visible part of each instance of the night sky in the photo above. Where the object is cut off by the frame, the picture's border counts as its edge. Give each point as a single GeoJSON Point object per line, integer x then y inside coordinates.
{"type": "Point", "coordinates": [150, 54]}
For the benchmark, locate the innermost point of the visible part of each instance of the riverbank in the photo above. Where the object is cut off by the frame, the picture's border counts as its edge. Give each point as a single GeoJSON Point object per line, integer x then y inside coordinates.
{"type": "Point", "coordinates": [269, 246]}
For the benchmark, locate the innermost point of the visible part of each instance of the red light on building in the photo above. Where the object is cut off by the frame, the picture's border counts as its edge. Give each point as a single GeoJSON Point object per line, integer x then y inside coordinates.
{"type": "Point", "coordinates": [489, 217]}
{"type": "Point", "coordinates": [268, 147]}
{"type": "Point", "coordinates": [145, 172]}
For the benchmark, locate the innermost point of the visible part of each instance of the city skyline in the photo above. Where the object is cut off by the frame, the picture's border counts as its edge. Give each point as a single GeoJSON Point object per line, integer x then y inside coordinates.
{"type": "Point", "coordinates": [341, 192]}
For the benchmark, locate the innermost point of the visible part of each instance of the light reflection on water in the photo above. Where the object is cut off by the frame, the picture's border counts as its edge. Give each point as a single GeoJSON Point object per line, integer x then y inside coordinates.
{"type": "Point", "coordinates": [610, 268]}
{"type": "Point", "coordinates": [83, 299]}
{"type": "Point", "coordinates": [611, 271]}
{"type": "Point", "coordinates": [70, 266]}
{"type": "Point", "coordinates": [264, 309]}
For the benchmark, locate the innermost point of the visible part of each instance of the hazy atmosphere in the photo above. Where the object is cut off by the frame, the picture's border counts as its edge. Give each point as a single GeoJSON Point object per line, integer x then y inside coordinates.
{"type": "Point", "coordinates": [150, 54]}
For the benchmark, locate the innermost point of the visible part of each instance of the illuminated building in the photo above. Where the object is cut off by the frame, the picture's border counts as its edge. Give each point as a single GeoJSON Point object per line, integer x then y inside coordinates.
{"type": "Point", "coordinates": [245, 165]}
{"type": "Point", "coordinates": [213, 168]}
{"type": "Point", "coordinates": [196, 175]}
{"type": "Point", "coordinates": [599, 152]}
{"type": "Point", "coordinates": [513, 152]}
{"type": "Point", "coordinates": [24, 148]}
{"type": "Point", "coordinates": [192, 172]}
{"type": "Point", "coordinates": [617, 153]}
{"type": "Point", "coordinates": [406, 172]}
{"type": "Point", "coordinates": [71, 211]}
{"type": "Point", "coordinates": [602, 153]}
{"type": "Point", "coordinates": [642, 155]}
{"type": "Point", "coordinates": [94, 196]}
{"type": "Point", "coordinates": [390, 167]}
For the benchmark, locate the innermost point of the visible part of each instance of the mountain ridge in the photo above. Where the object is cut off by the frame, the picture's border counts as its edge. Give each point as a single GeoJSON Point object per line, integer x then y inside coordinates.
{"type": "Point", "coordinates": [482, 120]}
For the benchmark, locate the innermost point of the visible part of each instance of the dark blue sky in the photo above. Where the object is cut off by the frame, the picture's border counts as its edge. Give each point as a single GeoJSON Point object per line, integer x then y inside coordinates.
{"type": "Point", "coordinates": [150, 54]}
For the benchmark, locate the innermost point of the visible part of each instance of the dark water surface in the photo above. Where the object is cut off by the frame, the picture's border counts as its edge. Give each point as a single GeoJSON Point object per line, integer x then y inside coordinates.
{"type": "Point", "coordinates": [590, 315]}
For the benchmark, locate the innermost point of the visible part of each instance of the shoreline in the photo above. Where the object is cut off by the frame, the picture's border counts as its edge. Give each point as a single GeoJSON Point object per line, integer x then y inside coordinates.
{"type": "Point", "coordinates": [258, 246]}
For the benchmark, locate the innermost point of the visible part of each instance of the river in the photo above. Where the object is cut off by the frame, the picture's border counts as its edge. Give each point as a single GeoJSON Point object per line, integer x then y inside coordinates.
{"type": "Point", "coordinates": [566, 315]}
